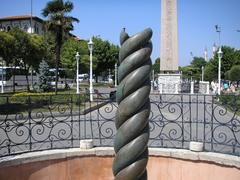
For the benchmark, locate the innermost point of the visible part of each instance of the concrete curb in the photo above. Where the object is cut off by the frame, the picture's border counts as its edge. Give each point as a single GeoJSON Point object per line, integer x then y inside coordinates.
{"type": "Point", "coordinates": [217, 158]}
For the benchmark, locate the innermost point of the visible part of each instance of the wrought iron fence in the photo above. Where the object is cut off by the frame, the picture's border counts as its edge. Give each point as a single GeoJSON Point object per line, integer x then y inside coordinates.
{"type": "Point", "coordinates": [36, 123]}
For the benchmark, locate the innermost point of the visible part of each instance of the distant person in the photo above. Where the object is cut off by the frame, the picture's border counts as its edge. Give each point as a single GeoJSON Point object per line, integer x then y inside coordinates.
{"type": "Point", "coordinates": [214, 87]}
{"type": "Point", "coordinates": [225, 86]}
{"type": "Point", "coordinates": [232, 88]}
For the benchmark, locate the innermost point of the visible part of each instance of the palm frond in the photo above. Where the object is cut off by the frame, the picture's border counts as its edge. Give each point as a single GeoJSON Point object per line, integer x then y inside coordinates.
{"type": "Point", "coordinates": [56, 6]}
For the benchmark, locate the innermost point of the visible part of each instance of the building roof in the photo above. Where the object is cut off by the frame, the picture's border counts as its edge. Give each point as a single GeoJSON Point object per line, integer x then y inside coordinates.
{"type": "Point", "coordinates": [23, 17]}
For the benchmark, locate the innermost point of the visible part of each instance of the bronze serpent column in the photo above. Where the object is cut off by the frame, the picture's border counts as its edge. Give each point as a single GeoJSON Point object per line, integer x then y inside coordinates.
{"type": "Point", "coordinates": [134, 106]}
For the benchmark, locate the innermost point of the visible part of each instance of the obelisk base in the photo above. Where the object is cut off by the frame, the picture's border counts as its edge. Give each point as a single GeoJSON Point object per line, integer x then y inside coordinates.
{"type": "Point", "coordinates": [169, 83]}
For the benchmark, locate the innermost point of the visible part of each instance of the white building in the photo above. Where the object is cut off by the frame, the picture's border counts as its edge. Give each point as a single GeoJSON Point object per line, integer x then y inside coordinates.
{"type": "Point", "coordinates": [27, 23]}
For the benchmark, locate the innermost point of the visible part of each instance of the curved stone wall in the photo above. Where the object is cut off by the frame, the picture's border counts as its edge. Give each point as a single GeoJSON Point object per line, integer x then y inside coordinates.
{"type": "Point", "coordinates": [96, 163]}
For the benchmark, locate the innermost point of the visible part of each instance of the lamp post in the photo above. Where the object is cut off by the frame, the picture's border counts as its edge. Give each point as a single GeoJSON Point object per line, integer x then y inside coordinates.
{"type": "Point", "coordinates": [191, 54]}
{"type": "Point", "coordinates": [153, 79]}
{"type": "Point", "coordinates": [90, 47]}
{"type": "Point", "coordinates": [2, 89]}
{"type": "Point", "coordinates": [77, 58]}
{"type": "Point", "coordinates": [220, 53]}
{"type": "Point", "coordinates": [218, 30]}
{"type": "Point", "coordinates": [202, 73]}
{"type": "Point", "coordinates": [116, 75]}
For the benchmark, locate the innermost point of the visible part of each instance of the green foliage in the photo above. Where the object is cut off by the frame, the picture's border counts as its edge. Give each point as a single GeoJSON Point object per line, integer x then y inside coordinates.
{"type": "Point", "coordinates": [44, 78]}
{"type": "Point", "coordinates": [59, 23]}
{"type": "Point", "coordinates": [7, 49]}
{"type": "Point", "coordinates": [49, 40]}
{"type": "Point", "coordinates": [198, 62]}
{"type": "Point", "coordinates": [227, 75]}
{"type": "Point", "coordinates": [156, 66]}
{"type": "Point", "coordinates": [194, 70]}
{"type": "Point", "coordinates": [30, 50]}
{"type": "Point", "coordinates": [38, 51]}
{"type": "Point", "coordinates": [237, 57]}
{"type": "Point", "coordinates": [22, 44]}
{"type": "Point", "coordinates": [211, 70]}
{"type": "Point", "coordinates": [196, 67]}
{"type": "Point", "coordinates": [41, 102]}
{"type": "Point", "coordinates": [186, 72]}
{"type": "Point", "coordinates": [68, 53]}
{"type": "Point", "coordinates": [230, 58]}
{"type": "Point", "coordinates": [106, 55]}
{"type": "Point", "coordinates": [234, 73]}
{"type": "Point", "coordinates": [231, 102]}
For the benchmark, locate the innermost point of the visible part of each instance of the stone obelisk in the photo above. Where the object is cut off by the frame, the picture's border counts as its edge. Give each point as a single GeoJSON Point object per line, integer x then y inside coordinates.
{"type": "Point", "coordinates": [169, 79]}
{"type": "Point", "coordinates": [169, 36]}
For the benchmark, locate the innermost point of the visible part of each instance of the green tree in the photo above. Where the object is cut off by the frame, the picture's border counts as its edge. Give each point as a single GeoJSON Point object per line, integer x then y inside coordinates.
{"type": "Point", "coordinates": [228, 59]}
{"type": "Point", "coordinates": [59, 23]}
{"type": "Point", "coordinates": [49, 41]}
{"type": "Point", "coordinates": [198, 62]}
{"type": "Point", "coordinates": [44, 78]}
{"type": "Point", "coordinates": [227, 75]}
{"type": "Point", "coordinates": [196, 67]}
{"type": "Point", "coordinates": [7, 47]}
{"type": "Point", "coordinates": [186, 72]}
{"type": "Point", "coordinates": [37, 51]}
{"type": "Point", "coordinates": [68, 52]}
{"type": "Point", "coordinates": [156, 66]}
{"type": "Point", "coordinates": [234, 74]}
{"type": "Point", "coordinates": [211, 70]}
{"type": "Point", "coordinates": [30, 50]}
{"type": "Point", "coordinates": [194, 70]}
{"type": "Point", "coordinates": [22, 45]}
{"type": "Point", "coordinates": [106, 55]}
{"type": "Point", "coordinates": [237, 57]}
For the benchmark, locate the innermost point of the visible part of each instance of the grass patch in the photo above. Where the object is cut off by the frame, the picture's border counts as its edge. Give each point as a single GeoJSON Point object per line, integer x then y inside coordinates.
{"type": "Point", "coordinates": [41, 102]}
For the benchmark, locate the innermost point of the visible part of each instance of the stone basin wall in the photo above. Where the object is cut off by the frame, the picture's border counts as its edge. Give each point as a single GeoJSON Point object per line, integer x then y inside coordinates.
{"type": "Point", "coordinates": [96, 163]}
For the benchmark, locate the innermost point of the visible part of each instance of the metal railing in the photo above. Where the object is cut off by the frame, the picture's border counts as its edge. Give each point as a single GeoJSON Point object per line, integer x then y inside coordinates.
{"type": "Point", "coordinates": [35, 123]}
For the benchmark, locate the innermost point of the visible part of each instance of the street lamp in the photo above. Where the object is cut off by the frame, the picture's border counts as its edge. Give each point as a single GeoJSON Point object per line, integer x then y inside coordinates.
{"type": "Point", "coordinates": [202, 73]}
{"type": "Point", "coordinates": [153, 79]}
{"type": "Point", "coordinates": [218, 30]}
{"type": "Point", "coordinates": [77, 59]}
{"type": "Point", "coordinates": [220, 54]}
{"type": "Point", "coordinates": [2, 89]}
{"type": "Point", "coordinates": [90, 47]}
{"type": "Point", "coordinates": [115, 74]}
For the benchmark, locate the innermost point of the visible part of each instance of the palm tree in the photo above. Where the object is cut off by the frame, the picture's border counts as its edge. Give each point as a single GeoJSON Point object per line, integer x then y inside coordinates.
{"type": "Point", "coordinates": [59, 23]}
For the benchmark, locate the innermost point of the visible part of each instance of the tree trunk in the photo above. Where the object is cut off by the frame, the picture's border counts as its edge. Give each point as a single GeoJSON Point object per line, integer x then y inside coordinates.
{"type": "Point", "coordinates": [58, 50]}
{"type": "Point", "coordinates": [57, 67]}
{"type": "Point", "coordinates": [26, 75]}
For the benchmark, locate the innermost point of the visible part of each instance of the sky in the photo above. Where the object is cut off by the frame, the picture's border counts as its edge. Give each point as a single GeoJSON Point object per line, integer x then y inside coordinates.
{"type": "Point", "coordinates": [106, 18]}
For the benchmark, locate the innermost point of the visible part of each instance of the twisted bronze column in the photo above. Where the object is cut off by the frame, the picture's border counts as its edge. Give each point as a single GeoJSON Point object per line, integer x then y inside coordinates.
{"type": "Point", "coordinates": [134, 106]}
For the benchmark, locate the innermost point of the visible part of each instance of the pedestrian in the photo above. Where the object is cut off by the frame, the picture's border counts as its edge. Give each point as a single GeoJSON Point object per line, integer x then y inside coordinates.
{"type": "Point", "coordinates": [214, 87]}
{"type": "Point", "coordinates": [232, 87]}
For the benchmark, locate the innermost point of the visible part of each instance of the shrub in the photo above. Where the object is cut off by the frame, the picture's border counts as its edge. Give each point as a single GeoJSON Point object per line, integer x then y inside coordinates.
{"type": "Point", "coordinates": [44, 78]}
{"type": "Point", "coordinates": [234, 74]}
